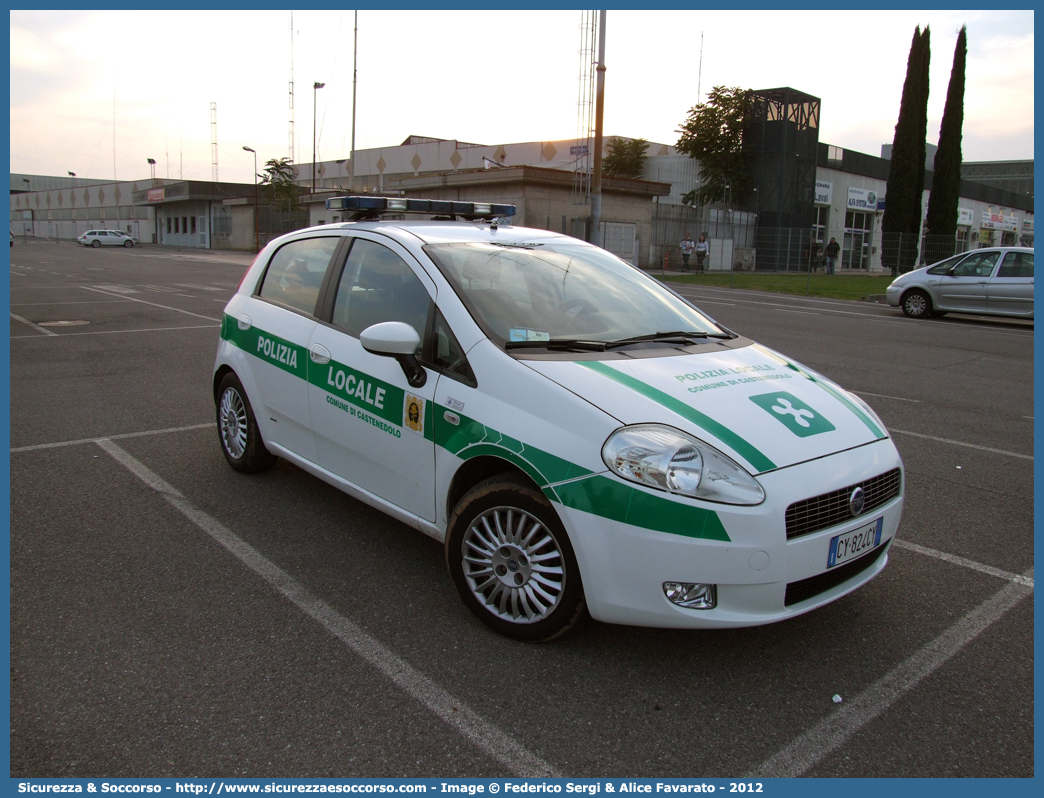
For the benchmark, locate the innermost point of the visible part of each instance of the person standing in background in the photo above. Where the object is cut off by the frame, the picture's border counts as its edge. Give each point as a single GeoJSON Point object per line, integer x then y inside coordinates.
{"type": "Point", "coordinates": [702, 251]}
{"type": "Point", "coordinates": [687, 246]}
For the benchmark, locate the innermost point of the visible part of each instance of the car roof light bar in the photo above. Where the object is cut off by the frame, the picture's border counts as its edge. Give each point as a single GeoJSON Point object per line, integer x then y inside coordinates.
{"type": "Point", "coordinates": [372, 207]}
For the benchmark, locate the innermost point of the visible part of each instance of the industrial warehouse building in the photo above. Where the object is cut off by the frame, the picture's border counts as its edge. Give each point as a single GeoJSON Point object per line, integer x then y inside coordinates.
{"type": "Point", "coordinates": [806, 192]}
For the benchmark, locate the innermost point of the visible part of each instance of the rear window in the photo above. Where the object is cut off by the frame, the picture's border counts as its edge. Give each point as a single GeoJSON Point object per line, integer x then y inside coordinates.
{"type": "Point", "coordinates": [295, 273]}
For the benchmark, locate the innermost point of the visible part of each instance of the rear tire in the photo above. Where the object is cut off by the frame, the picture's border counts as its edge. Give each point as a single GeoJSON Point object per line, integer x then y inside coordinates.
{"type": "Point", "coordinates": [917, 304]}
{"type": "Point", "coordinates": [241, 441]}
{"type": "Point", "coordinates": [96, 243]}
{"type": "Point", "coordinates": [511, 561]}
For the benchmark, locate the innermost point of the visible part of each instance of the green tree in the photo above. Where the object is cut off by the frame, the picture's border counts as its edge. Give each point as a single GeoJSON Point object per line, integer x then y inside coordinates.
{"type": "Point", "coordinates": [626, 157]}
{"type": "Point", "coordinates": [946, 181]}
{"type": "Point", "coordinates": [906, 168]}
{"type": "Point", "coordinates": [715, 134]}
{"type": "Point", "coordinates": [277, 183]}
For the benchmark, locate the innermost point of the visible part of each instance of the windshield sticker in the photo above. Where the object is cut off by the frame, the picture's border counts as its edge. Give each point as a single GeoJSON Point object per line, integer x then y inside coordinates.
{"type": "Point", "coordinates": [519, 334]}
{"type": "Point", "coordinates": [738, 375]}
{"type": "Point", "coordinates": [792, 413]}
{"type": "Point", "coordinates": [414, 413]}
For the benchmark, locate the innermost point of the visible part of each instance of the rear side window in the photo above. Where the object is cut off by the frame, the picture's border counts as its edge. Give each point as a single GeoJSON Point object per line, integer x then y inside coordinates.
{"type": "Point", "coordinates": [295, 273]}
{"type": "Point", "coordinates": [1017, 264]}
{"type": "Point", "coordinates": [376, 286]}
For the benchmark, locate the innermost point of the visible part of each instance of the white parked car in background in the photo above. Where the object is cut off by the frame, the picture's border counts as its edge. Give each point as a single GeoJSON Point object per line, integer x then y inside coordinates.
{"type": "Point", "coordinates": [573, 431]}
{"type": "Point", "coordinates": [996, 282]}
{"type": "Point", "coordinates": [107, 238]}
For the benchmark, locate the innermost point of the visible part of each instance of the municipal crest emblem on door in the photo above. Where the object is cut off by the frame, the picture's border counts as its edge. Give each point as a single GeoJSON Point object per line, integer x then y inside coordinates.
{"type": "Point", "coordinates": [413, 413]}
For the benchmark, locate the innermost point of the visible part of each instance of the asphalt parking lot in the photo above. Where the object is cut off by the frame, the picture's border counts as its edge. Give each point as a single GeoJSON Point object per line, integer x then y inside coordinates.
{"type": "Point", "coordinates": [171, 617]}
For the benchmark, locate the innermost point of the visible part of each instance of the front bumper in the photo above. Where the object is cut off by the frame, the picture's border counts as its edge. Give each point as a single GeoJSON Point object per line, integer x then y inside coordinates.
{"type": "Point", "coordinates": [623, 567]}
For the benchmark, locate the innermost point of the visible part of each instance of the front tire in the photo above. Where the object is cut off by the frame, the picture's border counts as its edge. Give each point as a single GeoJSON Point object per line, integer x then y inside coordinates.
{"type": "Point", "coordinates": [917, 304]}
{"type": "Point", "coordinates": [511, 561]}
{"type": "Point", "coordinates": [128, 243]}
{"type": "Point", "coordinates": [241, 441]}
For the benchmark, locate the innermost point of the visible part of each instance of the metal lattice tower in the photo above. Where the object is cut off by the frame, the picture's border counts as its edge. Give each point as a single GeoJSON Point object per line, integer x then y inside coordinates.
{"type": "Point", "coordinates": [213, 142]}
{"type": "Point", "coordinates": [582, 152]}
{"type": "Point", "coordinates": [291, 87]}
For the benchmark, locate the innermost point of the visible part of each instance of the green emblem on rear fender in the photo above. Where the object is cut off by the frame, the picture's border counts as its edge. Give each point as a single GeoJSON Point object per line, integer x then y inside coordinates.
{"type": "Point", "coordinates": [792, 413]}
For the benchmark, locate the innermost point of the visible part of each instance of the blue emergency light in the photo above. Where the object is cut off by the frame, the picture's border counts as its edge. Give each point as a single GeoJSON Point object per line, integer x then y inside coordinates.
{"type": "Point", "coordinates": [374, 206]}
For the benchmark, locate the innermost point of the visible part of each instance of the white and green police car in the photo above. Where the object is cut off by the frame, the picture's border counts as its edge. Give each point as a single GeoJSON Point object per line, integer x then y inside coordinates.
{"type": "Point", "coordinates": [576, 433]}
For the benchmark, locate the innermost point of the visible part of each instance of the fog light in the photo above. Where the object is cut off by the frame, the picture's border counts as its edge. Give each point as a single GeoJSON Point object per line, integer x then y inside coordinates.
{"type": "Point", "coordinates": [691, 596]}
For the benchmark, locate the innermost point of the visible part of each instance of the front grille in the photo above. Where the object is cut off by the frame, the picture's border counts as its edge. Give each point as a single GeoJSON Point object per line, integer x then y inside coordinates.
{"type": "Point", "coordinates": [805, 589]}
{"type": "Point", "coordinates": [820, 512]}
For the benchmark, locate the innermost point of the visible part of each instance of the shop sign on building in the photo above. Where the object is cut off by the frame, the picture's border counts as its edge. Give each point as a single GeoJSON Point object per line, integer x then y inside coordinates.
{"type": "Point", "coordinates": [965, 217]}
{"type": "Point", "coordinates": [1027, 225]}
{"type": "Point", "coordinates": [862, 199]}
{"type": "Point", "coordinates": [155, 195]}
{"type": "Point", "coordinates": [824, 192]}
{"type": "Point", "coordinates": [995, 220]}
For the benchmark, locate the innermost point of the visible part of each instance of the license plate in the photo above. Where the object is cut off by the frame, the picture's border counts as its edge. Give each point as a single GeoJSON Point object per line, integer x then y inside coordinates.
{"type": "Point", "coordinates": [851, 544]}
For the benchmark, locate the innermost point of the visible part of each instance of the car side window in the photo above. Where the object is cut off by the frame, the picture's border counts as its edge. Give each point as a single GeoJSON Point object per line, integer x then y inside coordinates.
{"type": "Point", "coordinates": [447, 354]}
{"type": "Point", "coordinates": [1017, 264]}
{"type": "Point", "coordinates": [977, 265]}
{"type": "Point", "coordinates": [376, 286]}
{"type": "Point", "coordinates": [295, 273]}
{"type": "Point", "coordinates": [943, 267]}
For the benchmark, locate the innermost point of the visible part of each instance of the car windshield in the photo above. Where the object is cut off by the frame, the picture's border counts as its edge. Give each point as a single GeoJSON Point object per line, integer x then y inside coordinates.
{"type": "Point", "coordinates": [542, 293]}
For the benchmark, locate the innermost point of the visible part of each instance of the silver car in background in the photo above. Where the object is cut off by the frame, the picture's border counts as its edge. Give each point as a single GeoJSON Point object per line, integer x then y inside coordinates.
{"type": "Point", "coordinates": [110, 238]}
{"type": "Point", "coordinates": [997, 281]}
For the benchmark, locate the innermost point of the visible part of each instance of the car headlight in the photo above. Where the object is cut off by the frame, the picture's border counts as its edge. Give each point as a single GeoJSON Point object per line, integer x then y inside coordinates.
{"type": "Point", "coordinates": [667, 459]}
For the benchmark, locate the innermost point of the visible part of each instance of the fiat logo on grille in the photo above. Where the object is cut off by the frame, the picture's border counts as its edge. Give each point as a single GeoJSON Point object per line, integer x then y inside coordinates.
{"type": "Point", "coordinates": [856, 500]}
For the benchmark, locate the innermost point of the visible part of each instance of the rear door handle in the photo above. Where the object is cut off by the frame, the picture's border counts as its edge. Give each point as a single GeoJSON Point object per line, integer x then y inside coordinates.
{"type": "Point", "coordinates": [319, 354]}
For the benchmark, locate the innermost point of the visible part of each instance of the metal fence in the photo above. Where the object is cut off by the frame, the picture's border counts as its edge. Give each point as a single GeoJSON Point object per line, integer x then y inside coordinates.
{"type": "Point", "coordinates": [903, 252]}
{"type": "Point", "coordinates": [738, 244]}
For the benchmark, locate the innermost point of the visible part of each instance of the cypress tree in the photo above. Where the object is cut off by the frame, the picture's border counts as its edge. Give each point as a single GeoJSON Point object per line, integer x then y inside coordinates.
{"type": "Point", "coordinates": [906, 168]}
{"type": "Point", "coordinates": [946, 182]}
{"type": "Point", "coordinates": [924, 56]}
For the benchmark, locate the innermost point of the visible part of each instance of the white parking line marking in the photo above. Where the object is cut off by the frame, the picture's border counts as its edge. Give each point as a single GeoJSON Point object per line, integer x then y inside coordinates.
{"type": "Point", "coordinates": [119, 332]}
{"type": "Point", "coordinates": [961, 561]}
{"type": "Point", "coordinates": [886, 396]}
{"type": "Point", "coordinates": [803, 312]}
{"type": "Point", "coordinates": [36, 327]}
{"type": "Point", "coordinates": [961, 443]}
{"type": "Point", "coordinates": [449, 709]}
{"type": "Point", "coordinates": [117, 437]}
{"type": "Point", "coordinates": [73, 302]}
{"type": "Point", "coordinates": [153, 304]}
{"type": "Point", "coordinates": [117, 289]}
{"type": "Point", "coordinates": [836, 729]}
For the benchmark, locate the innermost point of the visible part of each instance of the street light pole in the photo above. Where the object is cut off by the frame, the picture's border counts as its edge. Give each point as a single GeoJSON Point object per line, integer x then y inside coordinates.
{"type": "Point", "coordinates": [315, 88]}
{"type": "Point", "coordinates": [355, 79]}
{"type": "Point", "coordinates": [257, 247]}
{"type": "Point", "coordinates": [152, 166]}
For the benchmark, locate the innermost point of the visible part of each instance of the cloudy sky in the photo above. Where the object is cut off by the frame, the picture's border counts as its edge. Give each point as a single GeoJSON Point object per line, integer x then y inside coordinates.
{"type": "Point", "coordinates": [97, 93]}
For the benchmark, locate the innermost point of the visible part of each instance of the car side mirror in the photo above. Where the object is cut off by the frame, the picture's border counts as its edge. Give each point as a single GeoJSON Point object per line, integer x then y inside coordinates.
{"type": "Point", "coordinates": [398, 340]}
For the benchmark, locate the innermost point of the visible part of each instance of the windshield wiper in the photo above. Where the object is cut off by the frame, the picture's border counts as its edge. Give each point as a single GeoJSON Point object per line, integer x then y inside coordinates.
{"type": "Point", "coordinates": [564, 344]}
{"type": "Point", "coordinates": [678, 336]}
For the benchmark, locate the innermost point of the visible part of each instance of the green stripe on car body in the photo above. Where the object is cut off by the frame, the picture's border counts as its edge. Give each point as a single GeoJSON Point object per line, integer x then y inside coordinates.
{"type": "Point", "coordinates": [742, 447]}
{"type": "Point", "coordinates": [856, 410]}
{"type": "Point", "coordinates": [603, 496]}
{"type": "Point", "coordinates": [272, 349]}
{"type": "Point", "coordinates": [561, 481]}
